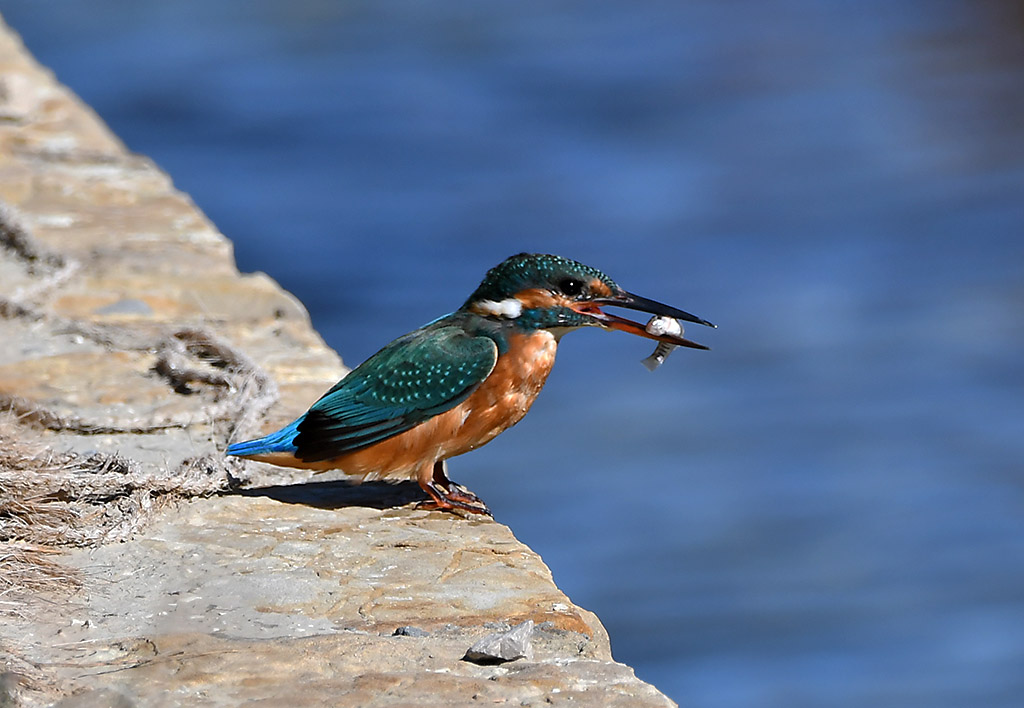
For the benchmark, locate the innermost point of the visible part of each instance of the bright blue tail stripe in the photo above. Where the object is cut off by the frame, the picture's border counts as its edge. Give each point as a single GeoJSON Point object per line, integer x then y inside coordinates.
{"type": "Point", "coordinates": [281, 441]}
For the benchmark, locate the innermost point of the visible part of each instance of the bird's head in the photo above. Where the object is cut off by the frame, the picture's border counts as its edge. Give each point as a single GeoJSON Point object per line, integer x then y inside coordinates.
{"type": "Point", "coordinates": [540, 291]}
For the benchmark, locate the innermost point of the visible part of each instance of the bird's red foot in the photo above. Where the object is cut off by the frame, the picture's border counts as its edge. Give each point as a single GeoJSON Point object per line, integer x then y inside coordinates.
{"type": "Point", "coordinates": [450, 496]}
{"type": "Point", "coordinates": [460, 493]}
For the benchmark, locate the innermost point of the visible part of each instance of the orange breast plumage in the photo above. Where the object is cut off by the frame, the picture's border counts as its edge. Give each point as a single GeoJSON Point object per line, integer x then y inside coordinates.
{"type": "Point", "coordinates": [499, 402]}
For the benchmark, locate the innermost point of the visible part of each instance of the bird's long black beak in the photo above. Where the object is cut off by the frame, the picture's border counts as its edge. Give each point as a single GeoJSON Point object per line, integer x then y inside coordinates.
{"type": "Point", "coordinates": [641, 304]}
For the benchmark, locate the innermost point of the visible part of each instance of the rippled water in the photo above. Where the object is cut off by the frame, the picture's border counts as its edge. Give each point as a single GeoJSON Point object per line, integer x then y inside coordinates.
{"type": "Point", "coordinates": [826, 509]}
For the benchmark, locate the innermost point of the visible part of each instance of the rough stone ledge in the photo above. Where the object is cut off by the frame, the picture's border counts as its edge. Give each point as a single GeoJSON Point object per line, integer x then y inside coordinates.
{"type": "Point", "coordinates": [138, 567]}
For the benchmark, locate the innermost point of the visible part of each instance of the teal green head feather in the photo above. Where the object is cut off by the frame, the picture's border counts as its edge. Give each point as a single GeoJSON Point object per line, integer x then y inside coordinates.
{"type": "Point", "coordinates": [538, 291]}
{"type": "Point", "coordinates": [543, 291]}
{"type": "Point", "coordinates": [532, 270]}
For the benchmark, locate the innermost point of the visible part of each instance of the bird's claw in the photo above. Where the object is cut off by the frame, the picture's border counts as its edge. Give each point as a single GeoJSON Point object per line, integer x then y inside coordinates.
{"type": "Point", "coordinates": [445, 495]}
{"type": "Point", "coordinates": [460, 493]}
{"type": "Point", "coordinates": [453, 505]}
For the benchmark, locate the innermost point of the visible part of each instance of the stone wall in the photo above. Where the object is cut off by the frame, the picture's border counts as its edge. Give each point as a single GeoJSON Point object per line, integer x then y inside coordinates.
{"type": "Point", "coordinates": [137, 565]}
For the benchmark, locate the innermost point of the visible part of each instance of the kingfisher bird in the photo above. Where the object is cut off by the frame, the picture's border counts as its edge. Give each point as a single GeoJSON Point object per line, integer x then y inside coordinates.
{"type": "Point", "coordinates": [456, 383]}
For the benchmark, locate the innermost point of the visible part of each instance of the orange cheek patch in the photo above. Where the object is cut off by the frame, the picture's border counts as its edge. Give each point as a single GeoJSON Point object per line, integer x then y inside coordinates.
{"type": "Point", "coordinates": [599, 289]}
{"type": "Point", "coordinates": [534, 298]}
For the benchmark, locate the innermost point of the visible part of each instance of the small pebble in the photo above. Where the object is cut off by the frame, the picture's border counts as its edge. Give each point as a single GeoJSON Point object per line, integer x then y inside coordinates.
{"type": "Point", "coordinates": [500, 647]}
{"type": "Point", "coordinates": [410, 631]}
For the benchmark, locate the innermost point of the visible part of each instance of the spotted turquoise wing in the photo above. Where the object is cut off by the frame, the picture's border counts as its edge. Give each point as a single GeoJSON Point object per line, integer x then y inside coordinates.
{"type": "Point", "coordinates": [417, 376]}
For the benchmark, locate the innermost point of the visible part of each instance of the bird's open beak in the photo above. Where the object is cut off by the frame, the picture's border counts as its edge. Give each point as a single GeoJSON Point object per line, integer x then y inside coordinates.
{"type": "Point", "coordinates": [641, 304]}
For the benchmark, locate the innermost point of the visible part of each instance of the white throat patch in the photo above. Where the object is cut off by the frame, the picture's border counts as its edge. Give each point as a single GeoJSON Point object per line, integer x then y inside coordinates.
{"type": "Point", "coordinates": [509, 308]}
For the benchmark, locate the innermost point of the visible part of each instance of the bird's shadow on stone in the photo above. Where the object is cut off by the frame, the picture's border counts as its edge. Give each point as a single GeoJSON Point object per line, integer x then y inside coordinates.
{"type": "Point", "coordinates": [339, 494]}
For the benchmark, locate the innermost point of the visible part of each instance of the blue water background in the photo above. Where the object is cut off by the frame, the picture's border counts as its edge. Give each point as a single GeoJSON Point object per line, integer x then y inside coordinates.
{"type": "Point", "coordinates": [825, 510]}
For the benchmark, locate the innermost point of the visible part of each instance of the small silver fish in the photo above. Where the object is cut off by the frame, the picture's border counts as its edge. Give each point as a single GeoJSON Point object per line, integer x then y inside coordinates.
{"type": "Point", "coordinates": [658, 326]}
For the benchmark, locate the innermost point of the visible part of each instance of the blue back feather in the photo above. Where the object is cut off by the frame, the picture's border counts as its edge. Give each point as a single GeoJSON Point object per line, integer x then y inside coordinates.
{"type": "Point", "coordinates": [281, 441]}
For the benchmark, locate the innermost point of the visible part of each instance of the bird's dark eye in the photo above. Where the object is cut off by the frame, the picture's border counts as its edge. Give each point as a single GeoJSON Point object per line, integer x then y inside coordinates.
{"type": "Point", "coordinates": [571, 286]}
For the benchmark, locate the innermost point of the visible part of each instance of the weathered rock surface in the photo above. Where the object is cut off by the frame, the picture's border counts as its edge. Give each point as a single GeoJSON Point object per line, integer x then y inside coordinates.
{"type": "Point", "coordinates": [132, 349]}
{"type": "Point", "coordinates": [295, 601]}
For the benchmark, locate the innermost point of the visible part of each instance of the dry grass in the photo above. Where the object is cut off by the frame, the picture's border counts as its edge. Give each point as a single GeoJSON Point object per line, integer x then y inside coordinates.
{"type": "Point", "coordinates": [54, 500]}
{"type": "Point", "coordinates": [33, 520]}
{"type": "Point", "coordinates": [50, 500]}
{"type": "Point", "coordinates": [30, 568]}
